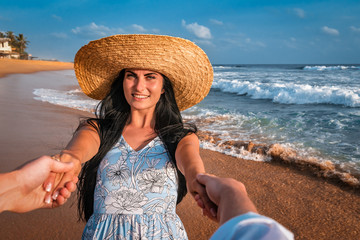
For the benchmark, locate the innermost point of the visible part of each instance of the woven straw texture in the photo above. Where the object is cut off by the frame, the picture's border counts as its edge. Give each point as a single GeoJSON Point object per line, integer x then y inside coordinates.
{"type": "Point", "coordinates": [99, 62]}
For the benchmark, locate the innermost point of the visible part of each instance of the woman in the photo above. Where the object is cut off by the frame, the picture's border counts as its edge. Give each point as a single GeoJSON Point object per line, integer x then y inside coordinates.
{"type": "Point", "coordinates": [137, 150]}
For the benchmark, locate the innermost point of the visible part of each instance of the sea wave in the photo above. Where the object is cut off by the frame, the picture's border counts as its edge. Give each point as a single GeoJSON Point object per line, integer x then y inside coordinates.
{"type": "Point", "coordinates": [72, 99]}
{"type": "Point", "coordinates": [320, 67]}
{"type": "Point", "coordinates": [284, 154]}
{"type": "Point", "coordinates": [329, 68]}
{"type": "Point", "coordinates": [291, 93]}
{"type": "Point", "coordinates": [222, 67]}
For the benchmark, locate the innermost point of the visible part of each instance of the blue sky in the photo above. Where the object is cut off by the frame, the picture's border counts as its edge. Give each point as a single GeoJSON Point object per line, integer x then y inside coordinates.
{"type": "Point", "coordinates": [237, 32]}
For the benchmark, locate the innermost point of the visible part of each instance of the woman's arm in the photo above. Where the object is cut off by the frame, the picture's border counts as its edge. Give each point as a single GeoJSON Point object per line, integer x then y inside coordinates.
{"type": "Point", "coordinates": [188, 158]}
{"type": "Point", "coordinates": [190, 164]}
{"type": "Point", "coordinates": [82, 147]}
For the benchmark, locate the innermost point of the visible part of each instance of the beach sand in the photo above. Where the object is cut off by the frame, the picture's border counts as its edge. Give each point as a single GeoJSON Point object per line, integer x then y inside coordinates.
{"type": "Point", "coordinates": [10, 66]}
{"type": "Point", "coordinates": [309, 206]}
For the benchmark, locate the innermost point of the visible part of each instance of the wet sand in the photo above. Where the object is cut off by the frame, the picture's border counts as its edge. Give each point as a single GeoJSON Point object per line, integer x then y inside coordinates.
{"type": "Point", "coordinates": [311, 207]}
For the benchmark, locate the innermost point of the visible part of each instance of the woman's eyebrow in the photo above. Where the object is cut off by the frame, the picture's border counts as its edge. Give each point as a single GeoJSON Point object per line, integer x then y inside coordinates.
{"type": "Point", "coordinates": [152, 73]}
{"type": "Point", "coordinates": [128, 71]}
{"type": "Point", "coordinates": [147, 74]}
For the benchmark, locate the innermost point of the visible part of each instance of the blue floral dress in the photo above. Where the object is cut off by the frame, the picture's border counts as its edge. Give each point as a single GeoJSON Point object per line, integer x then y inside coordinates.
{"type": "Point", "coordinates": [135, 195]}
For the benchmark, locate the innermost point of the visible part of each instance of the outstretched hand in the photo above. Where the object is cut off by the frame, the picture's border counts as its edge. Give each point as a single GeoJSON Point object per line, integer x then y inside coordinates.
{"type": "Point", "coordinates": [25, 185]}
{"type": "Point", "coordinates": [229, 195]}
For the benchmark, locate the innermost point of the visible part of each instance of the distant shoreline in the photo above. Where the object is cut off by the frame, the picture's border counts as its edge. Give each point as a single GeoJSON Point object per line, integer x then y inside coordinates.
{"type": "Point", "coordinates": [14, 66]}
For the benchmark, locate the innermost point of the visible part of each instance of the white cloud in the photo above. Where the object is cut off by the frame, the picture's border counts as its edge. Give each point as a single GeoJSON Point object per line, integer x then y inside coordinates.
{"type": "Point", "coordinates": [94, 30]}
{"type": "Point", "coordinates": [255, 43]}
{"type": "Point", "coordinates": [245, 43]}
{"type": "Point", "coordinates": [330, 31]}
{"type": "Point", "coordinates": [60, 35]}
{"type": "Point", "coordinates": [299, 12]}
{"type": "Point", "coordinates": [56, 17]}
{"type": "Point", "coordinates": [355, 29]}
{"type": "Point", "coordinates": [291, 43]}
{"type": "Point", "coordinates": [199, 30]}
{"type": "Point", "coordinates": [204, 42]}
{"type": "Point", "coordinates": [216, 22]}
{"type": "Point", "coordinates": [138, 28]}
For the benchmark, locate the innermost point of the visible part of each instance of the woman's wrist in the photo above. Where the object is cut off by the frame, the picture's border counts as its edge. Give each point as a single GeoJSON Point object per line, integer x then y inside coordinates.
{"type": "Point", "coordinates": [191, 173]}
{"type": "Point", "coordinates": [69, 156]}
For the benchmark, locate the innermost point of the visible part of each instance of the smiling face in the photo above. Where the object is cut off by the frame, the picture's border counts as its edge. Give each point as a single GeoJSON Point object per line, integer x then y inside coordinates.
{"type": "Point", "coordinates": [142, 88]}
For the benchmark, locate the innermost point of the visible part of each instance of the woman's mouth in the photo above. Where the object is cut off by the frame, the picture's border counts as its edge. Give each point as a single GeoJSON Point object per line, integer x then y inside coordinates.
{"type": "Point", "coordinates": [140, 96]}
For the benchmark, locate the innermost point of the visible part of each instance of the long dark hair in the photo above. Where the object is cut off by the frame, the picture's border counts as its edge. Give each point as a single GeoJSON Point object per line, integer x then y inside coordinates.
{"type": "Point", "coordinates": [111, 117]}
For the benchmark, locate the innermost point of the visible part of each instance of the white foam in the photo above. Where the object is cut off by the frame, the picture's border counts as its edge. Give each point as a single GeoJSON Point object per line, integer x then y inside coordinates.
{"type": "Point", "coordinates": [324, 67]}
{"type": "Point", "coordinates": [73, 99]}
{"type": "Point", "coordinates": [223, 67]}
{"type": "Point", "coordinates": [291, 93]}
{"type": "Point", "coordinates": [235, 152]}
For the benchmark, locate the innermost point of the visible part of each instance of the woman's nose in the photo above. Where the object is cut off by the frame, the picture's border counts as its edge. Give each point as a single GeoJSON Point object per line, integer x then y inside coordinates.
{"type": "Point", "coordinates": [140, 84]}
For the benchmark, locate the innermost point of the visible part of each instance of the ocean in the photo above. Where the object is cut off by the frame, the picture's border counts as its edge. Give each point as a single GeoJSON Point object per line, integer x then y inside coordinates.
{"type": "Point", "coordinates": [311, 111]}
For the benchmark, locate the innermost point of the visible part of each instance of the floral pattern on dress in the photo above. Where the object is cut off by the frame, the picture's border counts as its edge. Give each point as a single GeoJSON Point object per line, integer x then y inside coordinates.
{"type": "Point", "coordinates": [151, 180]}
{"type": "Point", "coordinates": [125, 201]}
{"type": "Point", "coordinates": [135, 195]}
{"type": "Point", "coordinates": [118, 172]}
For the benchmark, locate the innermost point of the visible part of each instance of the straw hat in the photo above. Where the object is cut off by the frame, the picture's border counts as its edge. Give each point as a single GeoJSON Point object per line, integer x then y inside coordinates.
{"type": "Point", "coordinates": [99, 62]}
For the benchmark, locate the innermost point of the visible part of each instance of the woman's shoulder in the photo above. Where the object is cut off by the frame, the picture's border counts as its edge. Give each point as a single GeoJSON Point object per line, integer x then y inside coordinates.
{"type": "Point", "coordinates": [190, 138]}
{"type": "Point", "coordinates": [89, 125]}
{"type": "Point", "coordinates": [188, 145]}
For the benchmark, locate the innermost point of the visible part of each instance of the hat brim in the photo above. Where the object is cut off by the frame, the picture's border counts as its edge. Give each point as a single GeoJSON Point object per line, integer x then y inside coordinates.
{"type": "Point", "coordinates": [187, 66]}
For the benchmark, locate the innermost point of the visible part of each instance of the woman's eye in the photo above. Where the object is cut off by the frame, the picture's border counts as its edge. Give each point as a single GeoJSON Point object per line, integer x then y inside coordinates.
{"type": "Point", "coordinates": [130, 76]}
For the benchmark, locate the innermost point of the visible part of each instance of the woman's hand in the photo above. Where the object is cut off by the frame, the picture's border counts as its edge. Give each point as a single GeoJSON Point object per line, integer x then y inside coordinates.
{"type": "Point", "coordinates": [60, 186]}
{"type": "Point", "coordinates": [198, 191]}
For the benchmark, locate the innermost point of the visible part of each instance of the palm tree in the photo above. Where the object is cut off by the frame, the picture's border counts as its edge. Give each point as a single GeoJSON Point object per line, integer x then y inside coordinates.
{"type": "Point", "coordinates": [13, 42]}
{"type": "Point", "coordinates": [22, 44]}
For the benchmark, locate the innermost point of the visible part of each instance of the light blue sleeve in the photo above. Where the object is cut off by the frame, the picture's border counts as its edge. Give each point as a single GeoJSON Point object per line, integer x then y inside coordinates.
{"type": "Point", "coordinates": [252, 226]}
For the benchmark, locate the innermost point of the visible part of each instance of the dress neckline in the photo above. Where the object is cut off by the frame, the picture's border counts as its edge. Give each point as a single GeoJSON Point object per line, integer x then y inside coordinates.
{"type": "Point", "coordinates": [138, 151]}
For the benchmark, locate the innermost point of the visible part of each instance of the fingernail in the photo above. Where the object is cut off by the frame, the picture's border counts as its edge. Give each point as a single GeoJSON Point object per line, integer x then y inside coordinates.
{"type": "Point", "coordinates": [213, 212]}
{"type": "Point", "coordinates": [48, 187]}
{"type": "Point", "coordinates": [48, 199]}
{"type": "Point", "coordinates": [55, 195]}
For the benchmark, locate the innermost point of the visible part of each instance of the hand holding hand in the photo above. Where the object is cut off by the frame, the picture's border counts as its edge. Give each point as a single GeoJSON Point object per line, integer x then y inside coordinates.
{"type": "Point", "coordinates": [60, 186]}
{"type": "Point", "coordinates": [228, 194]}
{"type": "Point", "coordinates": [201, 197]}
{"type": "Point", "coordinates": [25, 191]}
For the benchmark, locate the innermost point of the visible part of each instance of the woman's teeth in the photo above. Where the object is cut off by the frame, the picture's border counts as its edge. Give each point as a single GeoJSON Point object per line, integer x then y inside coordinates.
{"type": "Point", "coordinates": [140, 96]}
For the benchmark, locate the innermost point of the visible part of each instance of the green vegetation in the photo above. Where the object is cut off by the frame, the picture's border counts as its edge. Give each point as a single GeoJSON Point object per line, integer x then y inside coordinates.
{"type": "Point", "coordinates": [18, 42]}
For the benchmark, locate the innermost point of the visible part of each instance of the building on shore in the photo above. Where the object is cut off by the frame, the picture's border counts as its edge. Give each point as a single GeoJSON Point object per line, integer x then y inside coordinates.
{"type": "Point", "coordinates": [5, 49]}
